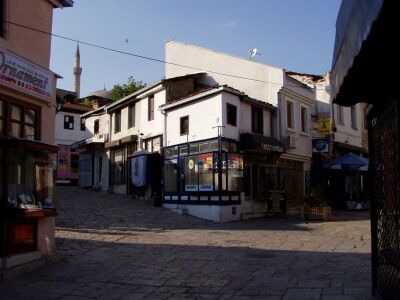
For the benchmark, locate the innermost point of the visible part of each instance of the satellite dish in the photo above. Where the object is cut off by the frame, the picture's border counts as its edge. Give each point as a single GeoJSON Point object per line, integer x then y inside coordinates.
{"type": "Point", "coordinates": [253, 53]}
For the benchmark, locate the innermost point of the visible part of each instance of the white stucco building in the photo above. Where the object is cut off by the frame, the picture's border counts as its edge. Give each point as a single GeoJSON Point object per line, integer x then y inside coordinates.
{"type": "Point", "coordinates": [293, 99]}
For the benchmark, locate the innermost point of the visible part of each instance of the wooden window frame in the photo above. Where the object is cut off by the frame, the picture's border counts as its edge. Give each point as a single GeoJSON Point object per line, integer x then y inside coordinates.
{"type": "Point", "coordinates": [231, 114]}
{"type": "Point", "coordinates": [117, 123]}
{"type": "Point", "coordinates": [304, 120]}
{"type": "Point", "coordinates": [73, 120]}
{"type": "Point", "coordinates": [96, 126]}
{"type": "Point", "coordinates": [150, 108]}
{"type": "Point", "coordinates": [130, 123]}
{"type": "Point", "coordinates": [83, 124]}
{"type": "Point", "coordinates": [7, 119]}
{"type": "Point", "coordinates": [354, 117]}
{"type": "Point", "coordinates": [181, 129]}
{"type": "Point", "coordinates": [257, 110]}
{"type": "Point", "coordinates": [291, 114]}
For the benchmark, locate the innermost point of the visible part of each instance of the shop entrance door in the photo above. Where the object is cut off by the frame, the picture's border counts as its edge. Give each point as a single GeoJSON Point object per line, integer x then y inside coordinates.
{"type": "Point", "coordinates": [263, 179]}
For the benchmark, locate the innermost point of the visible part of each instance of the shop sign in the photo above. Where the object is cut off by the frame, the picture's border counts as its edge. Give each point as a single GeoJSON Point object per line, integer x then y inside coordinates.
{"type": "Point", "coordinates": [272, 148]}
{"type": "Point", "coordinates": [22, 75]}
{"type": "Point", "coordinates": [324, 126]}
{"type": "Point", "coordinates": [320, 145]}
{"type": "Point", "coordinates": [191, 187]}
{"type": "Point", "coordinates": [156, 144]}
{"type": "Point", "coordinates": [205, 187]}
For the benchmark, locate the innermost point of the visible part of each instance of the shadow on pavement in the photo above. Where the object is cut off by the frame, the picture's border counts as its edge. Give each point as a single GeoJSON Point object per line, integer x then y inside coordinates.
{"type": "Point", "coordinates": [125, 270]}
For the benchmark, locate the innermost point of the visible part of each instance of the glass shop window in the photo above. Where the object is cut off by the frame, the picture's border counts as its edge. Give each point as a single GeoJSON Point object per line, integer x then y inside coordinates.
{"type": "Point", "coordinates": [31, 182]}
{"type": "Point", "coordinates": [194, 148]}
{"type": "Point", "coordinates": [74, 162]}
{"type": "Point", "coordinates": [204, 147]}
{"type": "Point", "coordinates": [225, 146]}
{"type": "Point", "coordinates": [183, 150]}
{"type": "Point", "coordinates": [2, 116]}
{"type": "Point", "coordinates": [1, 174]}
{"type": "Point", "coordinates": [191, 173]}
{"type": "Point", "coordinates": [118, 166]}
{"type": "Point", "coordinates": [205, 169]}
{"type": "Point", "coordinates": [223, 169]}
{"type": "Point", "coordinates": [235, 172]}
{"type": "Point", "coordinates": [214, 146]}
{"type": "Point", "coordinates": [171, 176]}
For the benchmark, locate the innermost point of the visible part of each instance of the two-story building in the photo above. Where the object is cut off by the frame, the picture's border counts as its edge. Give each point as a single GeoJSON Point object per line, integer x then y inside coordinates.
{"type": "Point", "coordinates": [337, 131]}
{"type": "Point", "coordinates": [69, 128]}
{"type": "Point", "coordinates": [27, 117]}
{"type": "Point", "coordinates": [293, 101]}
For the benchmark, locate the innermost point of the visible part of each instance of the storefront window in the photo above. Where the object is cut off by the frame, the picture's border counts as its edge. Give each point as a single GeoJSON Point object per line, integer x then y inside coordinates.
{"type": "Point", "coordinates": [1, 175]}
{"type": "Point", "coordinates": [118, 166]}
{"type": "Point", "coordinates": [194, 148]}
{"type": "Point", "coordinates": [2, 117]}
{"type": "Point", "coordinates": [235, 172]}
{"type": "Point", "coordinates": [170, 176]}
{"type": "Point", "coordinates": [191, 173]}
{"type": "Point", "coordinates": [205, 168]}
{"type": "Point", "coordinates": [223, 169]}
{"type": "Point", "coordinates": [30, 180]}
{"type": "Point", "coordinates": [214, 146]}
{"type": "Point", "coordinates": [203, 147]}
{"type": "Point", "coordinates": [74, 162]}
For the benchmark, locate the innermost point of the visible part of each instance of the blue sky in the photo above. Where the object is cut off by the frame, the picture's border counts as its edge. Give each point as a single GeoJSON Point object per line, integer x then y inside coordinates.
{"type": "Point", "coordinates": [292, 34]}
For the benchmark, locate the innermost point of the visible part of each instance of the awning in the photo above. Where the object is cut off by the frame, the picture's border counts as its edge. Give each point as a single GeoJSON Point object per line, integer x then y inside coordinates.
{"type": "Point", "coordinates": [365, 55]}
{"type": "Point", "coordinates": [257, 142]}
{"type": "Point", "coordinates": [29, 145]}
{"type": "Point", "coordinates": [348, 162]}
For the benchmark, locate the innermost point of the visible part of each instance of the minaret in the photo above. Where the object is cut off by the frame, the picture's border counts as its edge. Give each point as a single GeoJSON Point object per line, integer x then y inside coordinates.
{"type": "Point", "coordinates": [77, 73]}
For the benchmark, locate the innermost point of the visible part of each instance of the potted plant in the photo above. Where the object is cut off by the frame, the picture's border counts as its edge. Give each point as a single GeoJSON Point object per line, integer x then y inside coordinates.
{"type": "Point", "coordinates": [315, 206]}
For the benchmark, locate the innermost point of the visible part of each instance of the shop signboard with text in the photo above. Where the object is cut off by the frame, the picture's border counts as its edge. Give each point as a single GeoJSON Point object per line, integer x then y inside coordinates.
{"type": "Point", "coordinates": [22, 75]}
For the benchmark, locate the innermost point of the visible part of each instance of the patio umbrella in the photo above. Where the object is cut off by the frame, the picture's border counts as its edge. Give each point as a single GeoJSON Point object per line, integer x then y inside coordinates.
{"type": "Point", "coordinates": [348, 162]}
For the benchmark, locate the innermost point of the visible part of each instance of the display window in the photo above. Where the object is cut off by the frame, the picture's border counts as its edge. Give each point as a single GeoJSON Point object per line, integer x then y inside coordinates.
{"type": "Point", "coordinates": [203, 169]}
{"type": "Point", "coordinates": [118, 171]}
{"type": "Point", "coordinates": [30, 180]}
{"type": "Point", "coordinates": [18, 120]}
{"type": "Point", "coordinates": [171, 176]}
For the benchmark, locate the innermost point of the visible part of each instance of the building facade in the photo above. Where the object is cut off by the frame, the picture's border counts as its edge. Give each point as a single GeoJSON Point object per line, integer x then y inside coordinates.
{"type": "Point", "coordinates": [272, 85]}
{"type": "Point", "coordinates": [27, 118]}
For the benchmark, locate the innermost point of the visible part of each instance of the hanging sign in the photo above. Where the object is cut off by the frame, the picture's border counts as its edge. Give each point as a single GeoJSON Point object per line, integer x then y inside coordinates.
{"type": "Point", "coordinates": [324, 126]}
{"type": "Point", "coordinates": [320, 145]}
{"type": "Point", "coordinates": [22, 75]}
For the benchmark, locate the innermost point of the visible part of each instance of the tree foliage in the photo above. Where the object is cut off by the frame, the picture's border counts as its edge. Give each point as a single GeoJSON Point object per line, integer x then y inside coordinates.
{"type": "Point", "coordinates": [119, 91]}
{"type": "Point", "coordinates": [87, 102]}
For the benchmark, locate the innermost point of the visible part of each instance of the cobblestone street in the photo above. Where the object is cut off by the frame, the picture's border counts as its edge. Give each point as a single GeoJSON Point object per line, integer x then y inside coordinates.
{"type": "Point", "coordinates": [115, 247]}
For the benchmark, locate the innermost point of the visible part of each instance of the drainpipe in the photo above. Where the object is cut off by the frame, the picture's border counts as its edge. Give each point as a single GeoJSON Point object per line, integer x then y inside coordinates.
{"type": "Point", "coordinates": [164, 113]}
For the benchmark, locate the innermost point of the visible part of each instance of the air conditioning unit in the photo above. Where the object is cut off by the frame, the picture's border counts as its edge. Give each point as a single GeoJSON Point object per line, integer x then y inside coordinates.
{"type": "Point", "coordinates": [104, 137]}
{"type": "Point", "coordinates": [291, 142]}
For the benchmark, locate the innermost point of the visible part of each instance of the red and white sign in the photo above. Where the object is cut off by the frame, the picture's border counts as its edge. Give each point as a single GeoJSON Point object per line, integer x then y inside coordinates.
{"type": "Point", "coordinates": [22, 75]}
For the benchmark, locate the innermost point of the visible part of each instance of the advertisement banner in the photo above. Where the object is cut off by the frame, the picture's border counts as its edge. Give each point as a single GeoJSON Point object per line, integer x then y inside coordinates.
{"type": "Point", "coordinates": [22, 75]}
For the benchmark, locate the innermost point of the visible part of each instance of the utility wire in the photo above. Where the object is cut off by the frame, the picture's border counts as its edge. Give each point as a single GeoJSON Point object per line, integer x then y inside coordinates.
{"type": "Point", "coordinates": [146, 57]}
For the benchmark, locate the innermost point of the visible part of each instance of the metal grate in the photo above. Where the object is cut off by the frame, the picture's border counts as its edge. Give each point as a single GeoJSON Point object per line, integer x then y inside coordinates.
{"type": "Point", "coordinates": [384, 169]}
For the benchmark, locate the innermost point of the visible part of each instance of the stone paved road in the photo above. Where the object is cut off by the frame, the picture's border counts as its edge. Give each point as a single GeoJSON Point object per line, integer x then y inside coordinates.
{"type": "Point", "coordinates": [115, 247]}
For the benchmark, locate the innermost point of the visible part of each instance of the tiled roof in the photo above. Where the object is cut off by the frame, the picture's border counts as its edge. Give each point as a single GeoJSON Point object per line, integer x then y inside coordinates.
{"type": "Point", "coordinates": [306, 78]}
{"type": "Point", "coordinates": [76, 106]}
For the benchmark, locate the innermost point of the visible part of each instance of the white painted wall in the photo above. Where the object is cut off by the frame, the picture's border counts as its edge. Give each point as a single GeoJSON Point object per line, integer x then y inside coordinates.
{"type": "Point", "coordinates": [303, 139]}
{"type": "Point", "coordinates": [203, 115]}
{"type": "Point", "coordinates": [68, 136]}
{"type": "Point", "coordinates": [345, 132]}
{"type": "Point", "coordinates": [206, 113]}
{"type": "Point", "coordinates": [104, 123]}
{"type": "Point", "coordinates": [211, 60]}
{"type": "Point", "coordinates": [142, 124]}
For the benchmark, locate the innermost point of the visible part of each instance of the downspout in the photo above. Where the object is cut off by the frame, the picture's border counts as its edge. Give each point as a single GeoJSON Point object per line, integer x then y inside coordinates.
{"type": "Point", "coordinates": [109, 156]}
{"type": "Point", "coordinates": [165, 142]}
